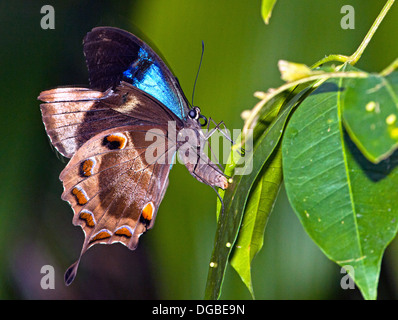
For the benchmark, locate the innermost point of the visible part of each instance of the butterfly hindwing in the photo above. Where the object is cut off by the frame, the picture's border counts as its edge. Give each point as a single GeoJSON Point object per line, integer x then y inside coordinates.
{"type": "Point", "coordinates": [113, 189]}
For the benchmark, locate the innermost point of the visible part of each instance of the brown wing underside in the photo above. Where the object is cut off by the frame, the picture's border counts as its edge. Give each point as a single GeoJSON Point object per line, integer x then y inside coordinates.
{"type": "Point", "coordinates": [74, 115]}
{"type": "Point", "coordinates": [113, 188]}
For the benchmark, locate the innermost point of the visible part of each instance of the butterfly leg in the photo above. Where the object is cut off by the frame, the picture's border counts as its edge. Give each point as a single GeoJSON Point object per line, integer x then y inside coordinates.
{"type": "Point", "coordinates": [217, 128]}
{"type": "Point", "coordinates": [223, 131]}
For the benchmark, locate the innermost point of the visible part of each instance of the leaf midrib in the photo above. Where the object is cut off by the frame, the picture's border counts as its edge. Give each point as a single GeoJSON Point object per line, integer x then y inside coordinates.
{"type": "Point", "coordinates": [340, 124]}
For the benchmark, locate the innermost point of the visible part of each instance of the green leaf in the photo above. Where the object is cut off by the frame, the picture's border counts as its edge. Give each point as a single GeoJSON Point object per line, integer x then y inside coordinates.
{"type": "Point", "coordinates": [370, 114]}
{"type": "Point", "coordinates": [267, 114]}
{"type": "Point", "coordinates": [236, 195]}
{"type": "Point", "coordinates": [258, 209]}
{"type": "Point", "coordinates": [348, 205]}
{"type": "Point", "coordinates": [266, 9]}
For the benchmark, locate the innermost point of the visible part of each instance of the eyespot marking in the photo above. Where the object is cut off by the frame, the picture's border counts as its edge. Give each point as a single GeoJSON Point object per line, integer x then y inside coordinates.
{"type": "Point", "coordinates": [115, 141]}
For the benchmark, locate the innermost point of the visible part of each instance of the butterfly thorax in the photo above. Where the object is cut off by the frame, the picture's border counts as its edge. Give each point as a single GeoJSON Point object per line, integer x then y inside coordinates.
{"type": "Point", "coordinates": [191, 143]}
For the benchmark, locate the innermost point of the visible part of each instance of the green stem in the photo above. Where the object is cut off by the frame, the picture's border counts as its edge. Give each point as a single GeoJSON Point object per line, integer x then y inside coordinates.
{"type": "Point", "coordinates": [393, 66]}
{"type": "Point", "coordinates": [332, 57]}
{"type": "Point", "coordinates": [250, 122]}
{"type": "Point", "coordinates": [353, 59]}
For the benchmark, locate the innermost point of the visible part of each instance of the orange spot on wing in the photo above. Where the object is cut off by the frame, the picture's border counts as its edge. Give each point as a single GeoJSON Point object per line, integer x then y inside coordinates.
{"type": "Point", "coordinates": [88, 217]}
{"type": "Point", "coordinates": [87, 167]}
{"type": "Point", "coordinates": [80, 195]}
{"type": "Point", "coordinates": [147, 211]}
{"type": "Point", "coordinates": [103, 234]}
{"type": "Point", "coordinates": [123, 231]}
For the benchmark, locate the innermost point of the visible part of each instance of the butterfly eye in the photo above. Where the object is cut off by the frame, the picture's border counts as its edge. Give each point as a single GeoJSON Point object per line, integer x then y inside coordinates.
{"type": "Point", "coordinates": [192, 114]}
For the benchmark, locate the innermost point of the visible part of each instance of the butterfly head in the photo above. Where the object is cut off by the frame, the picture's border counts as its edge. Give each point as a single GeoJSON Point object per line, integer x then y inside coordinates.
{"type": "Point", "coordinates": [194, 114]}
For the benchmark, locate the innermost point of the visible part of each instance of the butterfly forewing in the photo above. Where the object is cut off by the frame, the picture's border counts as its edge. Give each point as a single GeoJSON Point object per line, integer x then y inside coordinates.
{"type": "Point", "coordinates": [113, 55]}
{"type": "Point", "coordinates": [74, 115]}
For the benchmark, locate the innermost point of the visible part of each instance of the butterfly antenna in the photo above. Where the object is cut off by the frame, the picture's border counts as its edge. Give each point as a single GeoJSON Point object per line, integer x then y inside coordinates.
{"type": "Point", "coordinates": [197, 74]}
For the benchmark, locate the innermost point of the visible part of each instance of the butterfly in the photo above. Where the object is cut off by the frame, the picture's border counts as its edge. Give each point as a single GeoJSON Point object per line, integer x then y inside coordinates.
{"type": "Point", "coordinates": [121, 135]}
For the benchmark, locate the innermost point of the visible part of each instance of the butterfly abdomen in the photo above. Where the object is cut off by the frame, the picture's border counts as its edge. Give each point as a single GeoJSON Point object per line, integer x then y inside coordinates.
{"type": "Point", "coordinates": [208, 173]}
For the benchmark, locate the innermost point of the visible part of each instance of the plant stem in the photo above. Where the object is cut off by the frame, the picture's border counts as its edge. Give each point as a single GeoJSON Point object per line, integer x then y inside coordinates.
{"type": "Point", "coordinates": [250, 122]}
{"type": "Point", "coordinates": [329, 58]}
{"type": "Point", "coordinates": [393, 66]}
{"type": "Point", "coordinates": [353, 59]}
{"type": "Point", "coordinates": [357, 54]}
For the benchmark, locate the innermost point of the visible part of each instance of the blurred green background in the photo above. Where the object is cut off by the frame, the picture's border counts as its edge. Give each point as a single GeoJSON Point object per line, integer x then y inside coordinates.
{"type": "Point", "coordinates": [241, 55]}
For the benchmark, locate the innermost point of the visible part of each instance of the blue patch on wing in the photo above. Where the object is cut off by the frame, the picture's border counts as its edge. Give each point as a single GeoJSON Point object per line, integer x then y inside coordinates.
{"type": "Point", "coordinates": [147, 75]}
